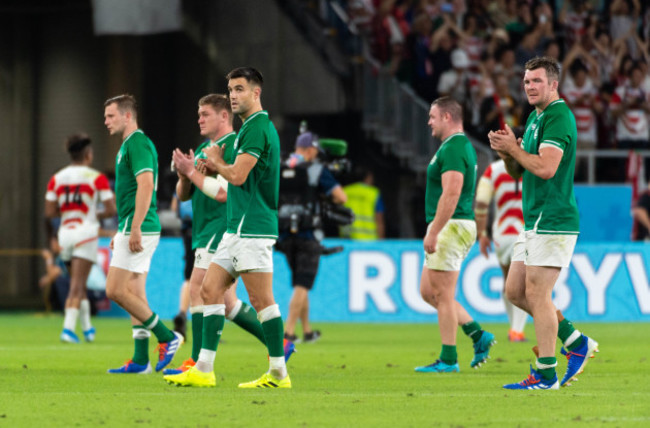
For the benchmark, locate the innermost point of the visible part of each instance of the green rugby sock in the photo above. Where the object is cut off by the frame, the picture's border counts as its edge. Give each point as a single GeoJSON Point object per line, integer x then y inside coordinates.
{"type": "Point", "coordinates": [274, 335]}
{"type": "Point", "coordinates": [448, 354]}
{"type": "Point", "coordinates": [565, 330]}
{"type": "Point", "coordinates": [246, 318]}
{"type": "Point", "coordinates": [546, 367]}
{"type": "Point", "coordinates": [141, 345]}
{"type": "Point", "coordinates": [473, 330]}
{"type": "Point", "coordinates": [212, 329]}
{"type": "Point", "coordinates": [162, 333]}
{"type": "Point", "coordinates": [197, 334]}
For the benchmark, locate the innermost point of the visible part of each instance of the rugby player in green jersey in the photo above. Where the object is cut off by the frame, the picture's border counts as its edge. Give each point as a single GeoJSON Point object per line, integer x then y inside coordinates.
{"type": "Point", "coordinates": [136, 182]}
{"type": "Point", "coordinates": [209, 221]}
{"type": "Point", "coordinates": [545, 158]}
{"type": "Point", "coordinates": [451, 183]}
{"type": "Point", "coordinates": [253, 174]}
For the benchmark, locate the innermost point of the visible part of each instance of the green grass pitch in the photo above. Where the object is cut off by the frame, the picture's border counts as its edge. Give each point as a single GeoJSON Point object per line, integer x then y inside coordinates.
{"type": "Point", "coordinates": [357, 375]}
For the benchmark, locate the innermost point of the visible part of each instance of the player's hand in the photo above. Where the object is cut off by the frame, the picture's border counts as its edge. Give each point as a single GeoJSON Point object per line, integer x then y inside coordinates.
{"type": "Point", "coordinates": [135, 240]}
{"type": "Point", "coordinates": [184, 163]}
{"type": "Point", "coordinates": [503, 140]}
{"type": "Point", "coordinates": [430, 241]}
{"type": "Point", "coordinates": [484, 245]}
{"type": "Point", "coordinates": [201, 167]}
{"type": "Point", "coordinates": [214, 156]}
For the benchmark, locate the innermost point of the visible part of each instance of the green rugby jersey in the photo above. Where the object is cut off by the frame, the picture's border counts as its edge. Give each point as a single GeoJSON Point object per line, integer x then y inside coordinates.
{"type": "Point", "coordinates": [549, 205]}
{"type": "Point", "coordinates": [137, 155]}
{"type": "Point", "coordinates": [455, 154]}
{"type": "Point", "coordinates": [209, 215]}
{"type": "Point", "coordinates": [253, 206]}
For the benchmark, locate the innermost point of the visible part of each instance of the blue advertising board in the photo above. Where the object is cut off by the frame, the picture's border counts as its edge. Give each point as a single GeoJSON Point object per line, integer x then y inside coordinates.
{"type": "Point", "coordinates": [379, 282]}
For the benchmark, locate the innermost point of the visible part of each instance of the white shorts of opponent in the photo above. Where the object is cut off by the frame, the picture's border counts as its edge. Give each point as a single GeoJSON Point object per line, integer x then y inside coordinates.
{"type": "Point", "coordinates": [544, 249]}
{"type": "Point", "coordinates": [503, 247]}
{"type": "Point", "coordinates": [78, 241]}
{"type": "Point", "coordinates": [123, 258]}
{"type": "Point", "coordinates": [454, 242]}
{"type": "Point", "coordinates": [240, 255]}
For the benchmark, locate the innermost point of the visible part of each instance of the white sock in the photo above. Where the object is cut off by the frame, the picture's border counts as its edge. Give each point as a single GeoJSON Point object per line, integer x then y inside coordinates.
{"type": "Point", "coordinates": [206, 361]}
{"type": "Point", "coordinates": [278, 367]}
{"type": "Point", "coordinates": [84, 315]}
{"type": "Point", "coordinates": [519, 318]}
{"type": "Point", "coordinates": [70, 318]}
{"type": "Point", "coordinates": [509, 307]}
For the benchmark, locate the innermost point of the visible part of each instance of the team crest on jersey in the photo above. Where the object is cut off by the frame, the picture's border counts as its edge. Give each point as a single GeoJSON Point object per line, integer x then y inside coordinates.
{"type": "Point", "coordinates": [236, 144]}
{"type": "Point", "coordinates": [433, 159]}
{"type": "Point", "coordinates": [119, 156]}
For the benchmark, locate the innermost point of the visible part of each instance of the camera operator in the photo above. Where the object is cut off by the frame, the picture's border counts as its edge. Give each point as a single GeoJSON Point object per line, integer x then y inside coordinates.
{"type": "Point", "coordinates": [303, 182]}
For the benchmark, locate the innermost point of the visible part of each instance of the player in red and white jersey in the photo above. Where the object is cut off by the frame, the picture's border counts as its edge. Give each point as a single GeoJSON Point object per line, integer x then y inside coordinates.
{"type": "Point", "coordinates": [73, 194]}
{"type": "Point", "coordinates": [496, 184]}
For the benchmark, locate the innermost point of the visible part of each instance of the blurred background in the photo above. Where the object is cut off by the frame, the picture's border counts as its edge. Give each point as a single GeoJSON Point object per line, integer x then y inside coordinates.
{"type": "Point", "coordinates": [364, 71]}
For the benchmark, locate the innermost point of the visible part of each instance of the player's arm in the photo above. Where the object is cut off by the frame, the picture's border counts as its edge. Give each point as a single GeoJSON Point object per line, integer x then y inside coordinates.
{"type": "Point", "coordinates": [215, 188]}
{"type": "Point", "coordinates": [484, 194]}
{"type": "Point", "coordinates": [452, 184]}
{"type": "Point", "coordinates": [52, 209]}
{"type": "Point", "coordinates": [109, 209]}
{"type": "Point", "coordinates": [235, 174]}
{"type": "Point", "coordinates": [543, 165]}
{"type": "Point", "coordinates": [143, 197]}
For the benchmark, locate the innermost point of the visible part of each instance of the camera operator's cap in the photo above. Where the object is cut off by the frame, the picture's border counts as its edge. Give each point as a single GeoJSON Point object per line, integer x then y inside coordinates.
{"type": "Point", "coordinates": [308, 139]}
{"type": "Point", "coordinates": [459, 59]}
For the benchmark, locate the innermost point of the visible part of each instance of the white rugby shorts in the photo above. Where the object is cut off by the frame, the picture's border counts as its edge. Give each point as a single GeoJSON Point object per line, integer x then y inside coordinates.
{"type": "Point", "coordinates": [503, 247]}
{"type": "Point", "coordinates": [544, 250]}
{"type": "Point", "coordinates": [123, 258]}
{"type": "Point", "coordinates": [240, 255]}
{"type": "Point", "coordinates": [203, 258]}
{"type": "Point", "coordinates": [78, 241]}
{"type": "Point", "coordinates": [454, 242]}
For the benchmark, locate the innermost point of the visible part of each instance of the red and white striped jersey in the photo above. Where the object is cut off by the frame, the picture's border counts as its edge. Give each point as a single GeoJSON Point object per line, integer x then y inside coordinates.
{"type": "Point", "coordinates": [497, 184]}
{"type": "Point", "coordinates": [633, 123]}
{"type": "Point", "coordinates": [77, 189]}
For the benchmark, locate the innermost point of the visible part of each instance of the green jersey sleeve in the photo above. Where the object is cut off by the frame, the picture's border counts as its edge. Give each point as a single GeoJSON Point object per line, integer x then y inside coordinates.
{"type": "Point", "coordinates": [141, 156]}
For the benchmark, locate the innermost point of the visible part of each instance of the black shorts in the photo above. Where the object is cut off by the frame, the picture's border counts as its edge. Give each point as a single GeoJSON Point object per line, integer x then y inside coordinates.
{"type": "Point", "coordinates": [303, 256]}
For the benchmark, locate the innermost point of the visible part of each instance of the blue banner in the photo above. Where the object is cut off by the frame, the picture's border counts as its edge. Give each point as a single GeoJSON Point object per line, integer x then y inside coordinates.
{"type": "Point", "coordinates": [379, 282]}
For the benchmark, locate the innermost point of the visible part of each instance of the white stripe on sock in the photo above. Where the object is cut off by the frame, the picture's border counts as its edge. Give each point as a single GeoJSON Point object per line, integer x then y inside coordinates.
{"type": "Point", "coordinates": [235, 310]}
{"type": "Point", "coordinates": [153, 323]}
{"type": "Point", "coordinates": [209, 310]}
{"type": "Point", "coordinates": [574, 336]}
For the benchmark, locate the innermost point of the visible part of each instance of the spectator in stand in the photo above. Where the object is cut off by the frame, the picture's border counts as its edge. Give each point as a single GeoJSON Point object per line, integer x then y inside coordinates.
{"type": "Point", "coordinates": [630, 105]}
{"type": "Point", "coordinates": [506, 64]}
{"type": "Point", "coordinates": [581, 95]}
{"type": "Point", "coordinates": [481, 85]}
{"type": "Point", "coordinates": [552, 49]}
{"type": "Point", "coordinates": [420, 45]}
{"type": "Point", "coordinates": [572, 17]}
{"type": "Point", "coordinates": [455, 82]}
{"type": "Point", "coordinates": [623, 17]}
{"type": "Point", "coordinates": [500, 108]}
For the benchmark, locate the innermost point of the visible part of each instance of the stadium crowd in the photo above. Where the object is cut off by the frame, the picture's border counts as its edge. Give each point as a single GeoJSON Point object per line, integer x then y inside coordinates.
{"type": "Point", "coordinates": [475, 50]}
